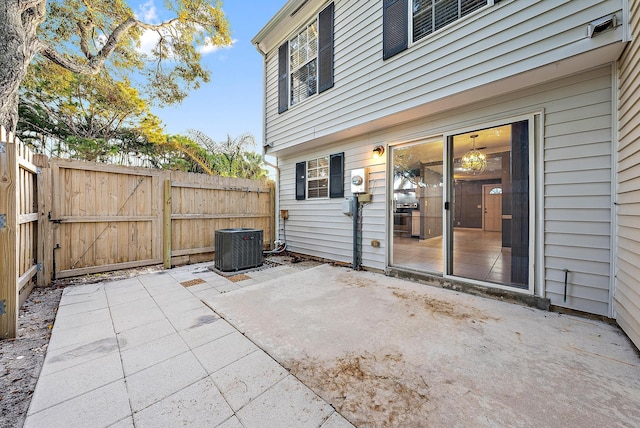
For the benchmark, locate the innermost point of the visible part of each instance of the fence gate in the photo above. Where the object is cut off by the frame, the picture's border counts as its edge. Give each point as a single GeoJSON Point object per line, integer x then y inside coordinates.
{"type": "Point", "coordinates": [19, 241]}
{"type": "Point", "coordinates": [104, 218]}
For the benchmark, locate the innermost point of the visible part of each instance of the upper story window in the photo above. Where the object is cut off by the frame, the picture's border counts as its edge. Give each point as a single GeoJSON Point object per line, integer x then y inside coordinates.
{"type": "Point", "coordinates": [305, 61]}
{"type": "Point", "coordinates": [427, 16]}
{"type": "Point", "coordinates": [431, 15]}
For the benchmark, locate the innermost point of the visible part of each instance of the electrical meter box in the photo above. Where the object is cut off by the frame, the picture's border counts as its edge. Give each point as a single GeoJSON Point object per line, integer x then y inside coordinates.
{"type": "Point", "coordinates": [347, 206]}
{"type": "Point", "coordinates": [359, 180]}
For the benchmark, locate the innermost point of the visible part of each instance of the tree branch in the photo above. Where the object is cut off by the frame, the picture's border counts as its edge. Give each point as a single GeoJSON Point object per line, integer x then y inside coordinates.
{"type": "Point", "coordinates": [84, 40]}
{"type": "Point", "coordinates": [27, 4]}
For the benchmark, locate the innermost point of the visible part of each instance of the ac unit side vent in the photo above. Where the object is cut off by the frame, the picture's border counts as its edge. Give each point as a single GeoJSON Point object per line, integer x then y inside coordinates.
{"type": "Point", "coordinates": [237, 249]}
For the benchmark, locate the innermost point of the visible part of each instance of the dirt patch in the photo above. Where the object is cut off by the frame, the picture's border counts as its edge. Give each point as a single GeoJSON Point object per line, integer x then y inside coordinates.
{"type": "Point", "coordinates": [192, 282]}
{"type": "Point", "coordinates": [379, 390]}
{"type": "Point", "coordinates": [441, 307]}
{"type": "Point", "coordinates": [238, 278]}
{"type": "Point", "coordinates": [358, 281]}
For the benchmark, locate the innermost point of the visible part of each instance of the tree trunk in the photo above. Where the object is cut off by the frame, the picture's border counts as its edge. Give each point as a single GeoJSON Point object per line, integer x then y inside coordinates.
{"type": "Point", "coordinates": [19, 21]}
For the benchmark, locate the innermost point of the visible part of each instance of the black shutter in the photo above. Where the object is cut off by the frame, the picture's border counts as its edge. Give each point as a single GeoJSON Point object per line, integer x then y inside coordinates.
{"type": "Point", "coordinates": [395, 27]}
{"type": "Point", "coordinates": [283, 78]}
{"type": "Point", "coordinates": [301, 180]}
{"type": "Point", "coordinates": [325, 49]}
{"type": "Point", "coordinates": [336, 175]}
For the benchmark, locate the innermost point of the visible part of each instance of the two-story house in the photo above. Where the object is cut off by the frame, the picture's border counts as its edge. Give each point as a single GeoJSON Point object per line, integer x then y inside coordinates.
{"type": "Point", "coordinates": [479, 137]}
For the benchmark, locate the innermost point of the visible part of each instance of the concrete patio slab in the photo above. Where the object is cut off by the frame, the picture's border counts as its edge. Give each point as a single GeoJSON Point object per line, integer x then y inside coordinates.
{"type": "Point", "coordinates": [220, 353]}
{"type": "Point", "coordinates": [287, 401]}
{"type": "Point", "coordinates": [245, 379]}
{"type": "Point", "coordinates": [99, 408]}
{"type": "Point", "coordinates": [388, 352]}
{"type": "Point", "coordinates": [147, 351]}
{"type": "Point", "coordinates": [198, 405]}
{"type": "Point", "coordinates": [381, 351]}
{"type": "Point", "coordinates": [105, 370]}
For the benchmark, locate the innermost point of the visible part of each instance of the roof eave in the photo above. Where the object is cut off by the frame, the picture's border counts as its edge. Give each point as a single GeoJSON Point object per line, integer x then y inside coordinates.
{"type": "Point", "coordinates": [289, 9]}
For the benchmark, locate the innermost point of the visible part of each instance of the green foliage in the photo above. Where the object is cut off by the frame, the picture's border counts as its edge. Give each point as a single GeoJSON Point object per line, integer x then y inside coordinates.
{"type": "Point", "coordinates": [106, 33]}
{"type": "Point", "coordinates": [231, 158]}
{"type": "Point", "coordinates": [94, 116]}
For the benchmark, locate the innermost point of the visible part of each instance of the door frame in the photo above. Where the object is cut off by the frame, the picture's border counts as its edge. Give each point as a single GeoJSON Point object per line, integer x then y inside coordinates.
{"type": "Point", "coordinates": [535, 120]}
{"type": "Point", "coordinates": [484, 202]}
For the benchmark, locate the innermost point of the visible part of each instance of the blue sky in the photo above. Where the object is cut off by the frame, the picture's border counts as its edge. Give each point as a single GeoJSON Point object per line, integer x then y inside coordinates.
{"type": "Point", "coordinates": [231, 103]}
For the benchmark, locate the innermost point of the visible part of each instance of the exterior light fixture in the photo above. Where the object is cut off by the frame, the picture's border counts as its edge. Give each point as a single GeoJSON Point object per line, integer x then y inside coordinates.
{"type": "Point", "coordinates": [378, 151]}
{"type": "Point", "coordinates": [474, 162]}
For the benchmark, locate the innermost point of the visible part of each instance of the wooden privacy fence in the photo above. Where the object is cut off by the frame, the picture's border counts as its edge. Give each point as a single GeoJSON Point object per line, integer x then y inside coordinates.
{"type": "Point", "coordinates": [107, 217]}
{"type": "Point", "coordinates": [62, 218]}
{"type": "Point", "coordinates": [19, 228]}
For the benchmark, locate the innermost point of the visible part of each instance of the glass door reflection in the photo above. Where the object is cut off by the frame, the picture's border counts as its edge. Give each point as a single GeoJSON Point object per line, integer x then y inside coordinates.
{"type": "Point", "coordinates": [489, 221]}
{"type": "Point", "coordinates": [417, 206]}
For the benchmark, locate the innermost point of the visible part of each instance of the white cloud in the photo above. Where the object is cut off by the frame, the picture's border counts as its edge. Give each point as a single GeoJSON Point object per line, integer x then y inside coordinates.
{"type": "Point", "coordinates": [148, 41]}
{"type": "Point", "coordinates": [148, 12]}
{"type": "Point", "coordinates": [210, 48]}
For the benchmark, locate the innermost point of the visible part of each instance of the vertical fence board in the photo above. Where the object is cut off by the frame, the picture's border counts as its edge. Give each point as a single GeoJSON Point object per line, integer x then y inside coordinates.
{"type": "Point", "coordinates": [167, 224]}
{"type": "Point", "coordinates": [45, 231]}
{"type": "Point", "coordinates": [19, 228]}
{"type": "Point", "coordinates": [9, 262]}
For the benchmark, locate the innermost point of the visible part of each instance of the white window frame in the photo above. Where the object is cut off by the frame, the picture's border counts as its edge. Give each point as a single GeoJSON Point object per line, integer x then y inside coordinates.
{"type": "Point", "coordinates": [410, 26]}
{"type": "Point", "coordinates": [312, 23]}
{"type": "Point", "coordinates": [318, 177]}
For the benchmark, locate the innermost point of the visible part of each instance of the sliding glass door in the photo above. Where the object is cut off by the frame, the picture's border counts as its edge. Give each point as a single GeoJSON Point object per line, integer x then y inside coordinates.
{"type": "Point", "coordinates": [418, 189]}
{"type": "Point", "coordinates": [461, 209]}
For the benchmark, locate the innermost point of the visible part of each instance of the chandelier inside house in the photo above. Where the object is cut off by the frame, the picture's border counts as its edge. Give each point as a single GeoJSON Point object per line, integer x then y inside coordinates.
{"type": "Point", "coordinates": [474, 161]}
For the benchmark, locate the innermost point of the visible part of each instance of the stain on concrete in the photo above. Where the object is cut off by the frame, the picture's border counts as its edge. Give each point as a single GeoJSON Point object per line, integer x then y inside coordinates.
{"type": "Point", "coordinates": [369, 389]}
{"type": "Point", "coordinates": [440, 307]}
{"type": "Point", "coordinates": [98, 347]}
{"type": "Point", "coordinates": [204, 320]}
{"type": "Point", "coordinates": [357, 281]}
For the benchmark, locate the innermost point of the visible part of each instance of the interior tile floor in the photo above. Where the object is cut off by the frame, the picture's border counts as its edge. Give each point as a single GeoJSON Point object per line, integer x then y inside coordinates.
{"type": "Point", "coordinates": [477, 254]}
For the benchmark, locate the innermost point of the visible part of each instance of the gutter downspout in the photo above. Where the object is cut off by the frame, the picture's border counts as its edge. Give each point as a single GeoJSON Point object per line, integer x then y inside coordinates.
{"type": "Point", "coordinates": [264, 140]}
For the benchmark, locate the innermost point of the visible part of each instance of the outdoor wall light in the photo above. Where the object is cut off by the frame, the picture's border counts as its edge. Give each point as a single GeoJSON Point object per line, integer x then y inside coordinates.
{"type": "Point", "coordinates": [378, 151]}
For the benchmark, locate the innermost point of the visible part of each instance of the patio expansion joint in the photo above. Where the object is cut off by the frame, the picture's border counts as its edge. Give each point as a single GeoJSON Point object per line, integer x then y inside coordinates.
{"type": "Point", "coordinates": [126, 384]}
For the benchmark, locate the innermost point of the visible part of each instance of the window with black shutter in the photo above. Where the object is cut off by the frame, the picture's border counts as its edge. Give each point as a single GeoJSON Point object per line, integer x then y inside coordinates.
{"type": "Point", "coordinates": [305, 61]}
{"type": "Point", "coordinates": [320, 178]}
{"type": "Point", "coordinates": [336, 176]}
{"type": "Point", "coordinates": [325, 49]}
{"type": "Point", "coordinates": [283, 78]}
{"type": "Point", "coordinates": [394, 27]}
{"type": "Point", "coordinates": [427, 16]}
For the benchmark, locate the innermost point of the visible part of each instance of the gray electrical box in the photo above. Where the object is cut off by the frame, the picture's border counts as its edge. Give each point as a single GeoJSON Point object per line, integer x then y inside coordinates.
{"type": "Point", "coordinates": [347, 206]}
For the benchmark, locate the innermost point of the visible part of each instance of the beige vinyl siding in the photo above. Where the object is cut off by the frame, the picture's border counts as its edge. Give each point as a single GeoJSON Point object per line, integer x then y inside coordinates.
{"type": "Point", "coordinates": [627, 296]}
{"type": "Point", "coordinates": [494, 43]}
{"type": "Point", "coordinates": [576, 193]}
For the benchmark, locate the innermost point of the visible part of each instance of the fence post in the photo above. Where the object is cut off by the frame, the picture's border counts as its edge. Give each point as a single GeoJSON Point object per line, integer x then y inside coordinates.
{"type": "Point", "coordinates": [9, 299]}
{"type": "Point", "coordinates": [167, 225]}
{"type": "Point", "coordinates": [45, 229]}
